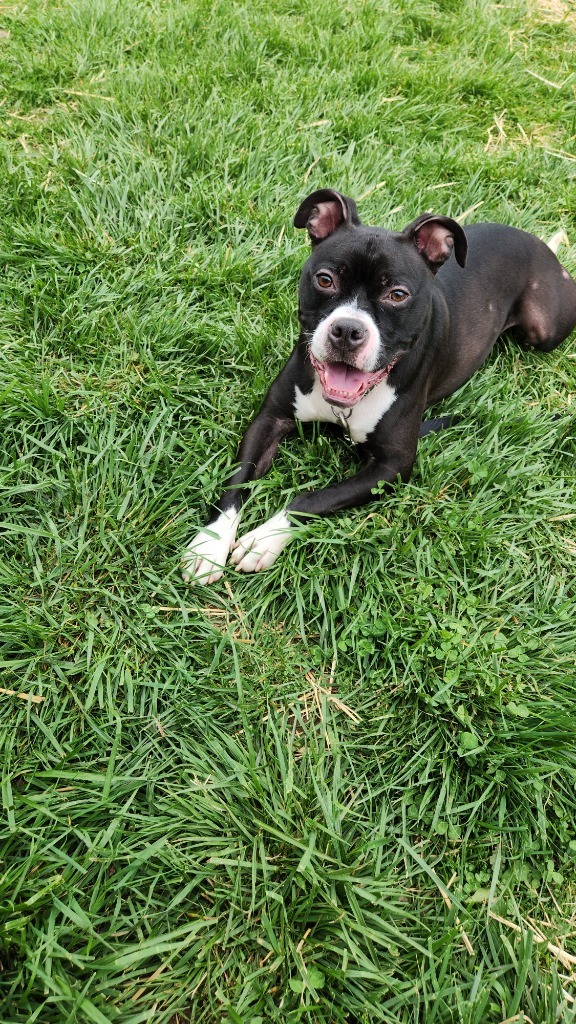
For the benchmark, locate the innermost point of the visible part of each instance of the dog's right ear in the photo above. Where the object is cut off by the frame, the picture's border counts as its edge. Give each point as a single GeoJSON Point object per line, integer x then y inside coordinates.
{"type": "Point", "coordinates": [323, 212]}
{"type": "Point", "coordinates": [435, 237]}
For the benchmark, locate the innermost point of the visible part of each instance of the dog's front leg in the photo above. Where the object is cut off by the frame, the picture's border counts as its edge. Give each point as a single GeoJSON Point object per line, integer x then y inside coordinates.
{"type": "Point", "coordinates": [206, 554]}
{"type": "Point", "coordinates": [260, 548]}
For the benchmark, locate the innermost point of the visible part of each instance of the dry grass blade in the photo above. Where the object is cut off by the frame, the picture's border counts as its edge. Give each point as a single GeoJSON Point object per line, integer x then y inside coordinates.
{"type": "Point", "coordinates": [566, 959]}
{"type": "Point", "coordinates": [32, 697]}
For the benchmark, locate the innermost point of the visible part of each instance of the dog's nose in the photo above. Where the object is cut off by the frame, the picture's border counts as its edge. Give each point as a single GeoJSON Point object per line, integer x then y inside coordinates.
{"type": "Point", "coordinates": [347, 333]}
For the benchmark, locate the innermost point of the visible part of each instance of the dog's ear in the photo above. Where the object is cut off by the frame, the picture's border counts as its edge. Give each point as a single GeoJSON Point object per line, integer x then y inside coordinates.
{"type": "Point", "coordinates": [323, 212]}
{"type": "Point", "coordinates": [435, 238]}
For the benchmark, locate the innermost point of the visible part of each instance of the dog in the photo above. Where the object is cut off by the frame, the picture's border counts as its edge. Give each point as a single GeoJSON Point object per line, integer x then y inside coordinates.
{"type": "Point", "coordinates": [391, 323]}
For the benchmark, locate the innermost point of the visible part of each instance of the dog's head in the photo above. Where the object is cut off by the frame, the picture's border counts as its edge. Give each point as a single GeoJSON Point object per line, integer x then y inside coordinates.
{"type": "Point", "coordinates": [365, 293]}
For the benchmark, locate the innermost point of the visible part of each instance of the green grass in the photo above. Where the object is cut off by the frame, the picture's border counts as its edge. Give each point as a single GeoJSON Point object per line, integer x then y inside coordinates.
{"type": "Point", "coordinates": [344, 790]}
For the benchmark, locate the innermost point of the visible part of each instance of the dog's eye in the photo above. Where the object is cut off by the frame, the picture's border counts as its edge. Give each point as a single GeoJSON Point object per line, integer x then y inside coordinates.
{"type": "Point", "coordinates": [397, 295]}
{"type": "Point", "coordinates": [324, 280]}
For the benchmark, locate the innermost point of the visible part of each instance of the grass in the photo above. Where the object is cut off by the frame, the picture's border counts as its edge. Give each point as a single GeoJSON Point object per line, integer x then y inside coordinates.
{"type": "Point", "coordinates": [343, 791]}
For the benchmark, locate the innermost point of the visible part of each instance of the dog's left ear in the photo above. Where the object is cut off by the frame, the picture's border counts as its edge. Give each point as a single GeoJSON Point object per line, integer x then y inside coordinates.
{"type": "Point", "coordinates": [435, 238]}
{"type": "Point", "coordinates": [323, 212]}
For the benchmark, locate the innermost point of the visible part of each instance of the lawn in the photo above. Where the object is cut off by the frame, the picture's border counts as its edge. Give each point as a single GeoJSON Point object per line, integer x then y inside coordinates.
{"type": "Point", "coordinates": [343, 790]}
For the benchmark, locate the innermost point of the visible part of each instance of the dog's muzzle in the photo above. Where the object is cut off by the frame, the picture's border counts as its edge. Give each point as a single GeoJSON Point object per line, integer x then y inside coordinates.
{"type": "Point", "coordinates": [344, 385]}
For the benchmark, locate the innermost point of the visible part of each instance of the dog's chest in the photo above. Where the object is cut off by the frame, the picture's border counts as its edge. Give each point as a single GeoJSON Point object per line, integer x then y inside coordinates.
{"type": "Point", "coordinates": [359, 421]}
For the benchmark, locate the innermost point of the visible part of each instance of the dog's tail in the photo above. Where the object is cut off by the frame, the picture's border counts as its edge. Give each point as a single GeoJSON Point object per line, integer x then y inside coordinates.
{"type": "Point", "coordinates": [560, 238]}
{"type": "Point", "coordinates": [432, 426]}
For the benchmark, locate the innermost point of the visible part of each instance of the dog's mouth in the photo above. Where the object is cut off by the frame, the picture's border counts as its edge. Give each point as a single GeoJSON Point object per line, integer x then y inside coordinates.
{"type": "Point", "coordinates": [345, 385]}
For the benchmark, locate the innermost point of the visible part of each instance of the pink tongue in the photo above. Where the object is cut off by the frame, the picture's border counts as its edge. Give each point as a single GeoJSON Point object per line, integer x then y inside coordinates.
{"type": "Point", "coordinates": [340, 377]}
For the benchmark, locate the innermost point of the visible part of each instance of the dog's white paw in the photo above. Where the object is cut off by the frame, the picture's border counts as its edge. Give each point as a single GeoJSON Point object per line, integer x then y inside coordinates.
{"type": "Point", "coordinates": [260, 548]}
{"type": "Point", "coordinates": [205, 556]}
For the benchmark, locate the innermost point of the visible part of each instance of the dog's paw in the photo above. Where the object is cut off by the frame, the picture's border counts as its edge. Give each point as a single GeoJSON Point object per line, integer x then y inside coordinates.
{"type": "Point", "coordinates": [205, 556]}
{"type": "Point", "coordinates": [260, 548]}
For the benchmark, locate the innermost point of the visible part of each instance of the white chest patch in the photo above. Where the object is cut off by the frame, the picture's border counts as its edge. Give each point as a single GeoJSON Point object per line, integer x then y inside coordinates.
{"type": "Point", "coordinates": [360, 420]}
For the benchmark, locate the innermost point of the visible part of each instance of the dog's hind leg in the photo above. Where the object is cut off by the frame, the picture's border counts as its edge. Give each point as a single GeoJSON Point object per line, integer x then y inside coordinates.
{"type": "Point", "coordinates": [545, 313]}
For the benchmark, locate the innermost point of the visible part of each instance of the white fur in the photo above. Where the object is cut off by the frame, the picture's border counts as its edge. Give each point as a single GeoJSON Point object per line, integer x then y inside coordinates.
{"type": "Point", "coordinates": [560, 238]}
{"type": "Point", "coordinates": [371, 348]}
{"type": "Point", "coordinates": [205, 556]}
{"type": "Point", "coordinates": [260, 548]}
{"type": "Point", "coordinates": [360, 420]}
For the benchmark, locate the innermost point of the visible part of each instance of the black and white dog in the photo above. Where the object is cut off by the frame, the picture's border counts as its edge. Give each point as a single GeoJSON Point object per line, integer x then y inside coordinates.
{"type": "Point", "coordinates": [390, 324]}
